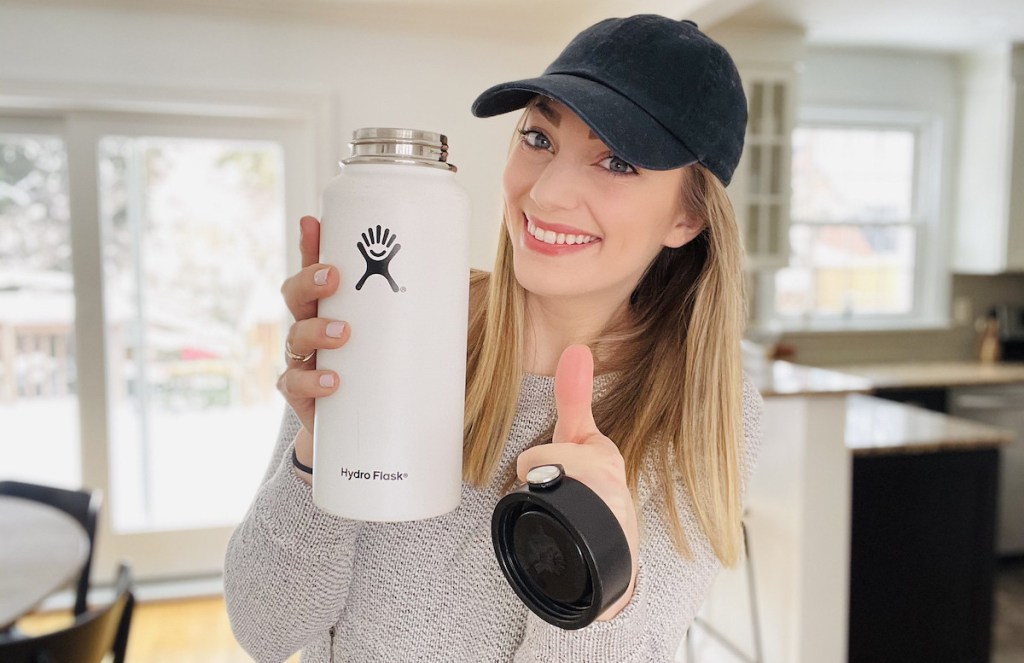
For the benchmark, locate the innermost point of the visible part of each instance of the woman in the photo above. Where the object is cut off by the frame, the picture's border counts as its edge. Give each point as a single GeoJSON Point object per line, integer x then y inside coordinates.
{"type": "Point", "coordinates": [618, 240]}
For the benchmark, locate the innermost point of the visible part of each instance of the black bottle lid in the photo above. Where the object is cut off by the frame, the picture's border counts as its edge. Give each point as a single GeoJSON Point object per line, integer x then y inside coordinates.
{"type": "Point", "coordinates": [561, 548]}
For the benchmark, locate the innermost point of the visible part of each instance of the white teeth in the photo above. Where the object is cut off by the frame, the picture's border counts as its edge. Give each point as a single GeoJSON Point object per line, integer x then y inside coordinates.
{"type": "Point", "coordinates": [551, 237]}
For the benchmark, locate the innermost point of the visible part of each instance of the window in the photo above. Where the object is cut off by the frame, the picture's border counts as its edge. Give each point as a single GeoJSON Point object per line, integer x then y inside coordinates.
{"type": "Point", "coordinates": [863, 234]}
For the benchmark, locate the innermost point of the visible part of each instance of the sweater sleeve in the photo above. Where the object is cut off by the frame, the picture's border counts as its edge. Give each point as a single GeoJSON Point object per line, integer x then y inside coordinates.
{"type": "Point", "coordinates": [669, 589]}
{"type": "Point", "coordinates": [288, 564]}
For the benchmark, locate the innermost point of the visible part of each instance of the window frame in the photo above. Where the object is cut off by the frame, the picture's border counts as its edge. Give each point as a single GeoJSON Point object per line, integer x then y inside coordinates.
{"type": "Point", "coordinates": [930, 274]}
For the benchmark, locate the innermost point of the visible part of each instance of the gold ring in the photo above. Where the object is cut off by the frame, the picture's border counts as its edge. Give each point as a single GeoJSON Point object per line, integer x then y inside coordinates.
{"type": "Point", "coordinates": [297, 357]}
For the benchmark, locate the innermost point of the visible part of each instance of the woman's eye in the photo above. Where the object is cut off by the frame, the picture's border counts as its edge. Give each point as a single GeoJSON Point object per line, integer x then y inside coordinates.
{"type": "Point", "coordinates": [616, 165]}
{"type": "Point", "coordinates": [536, 139]}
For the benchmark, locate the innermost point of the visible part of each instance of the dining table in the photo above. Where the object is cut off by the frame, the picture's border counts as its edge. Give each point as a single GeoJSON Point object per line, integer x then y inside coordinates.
{"type": "Point", "coordinates": [42, 551]}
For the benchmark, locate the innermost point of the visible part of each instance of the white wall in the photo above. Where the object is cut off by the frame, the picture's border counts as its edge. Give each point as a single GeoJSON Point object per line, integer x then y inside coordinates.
{"type": "Point", "coordinates": [422, 75]}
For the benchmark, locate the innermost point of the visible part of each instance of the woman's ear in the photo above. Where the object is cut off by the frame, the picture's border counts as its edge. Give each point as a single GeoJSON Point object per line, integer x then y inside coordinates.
{"type": "Point", "coordinates": [684, 230]}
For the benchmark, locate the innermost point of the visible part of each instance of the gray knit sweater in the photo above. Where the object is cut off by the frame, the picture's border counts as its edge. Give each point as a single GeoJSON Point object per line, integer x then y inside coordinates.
{"type": "Point", "coordinates": [297, 578]}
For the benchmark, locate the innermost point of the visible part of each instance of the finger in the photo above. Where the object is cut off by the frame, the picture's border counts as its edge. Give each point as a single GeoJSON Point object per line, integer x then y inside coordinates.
{"type": "Point", "coordinates": [303, 291]}
{"type": "Point", "coordinates": [316, 334]}
{"type": "Point", "coordinates": [570, 457]}
{"type": "Point", "coordinates": [574, 391]}
{"type": "Point", "coordinates": [309, 242]}
{"type": "Point", "coordinates": [598, 464]}
{"type": "Point", "coordinates": [297, 385]}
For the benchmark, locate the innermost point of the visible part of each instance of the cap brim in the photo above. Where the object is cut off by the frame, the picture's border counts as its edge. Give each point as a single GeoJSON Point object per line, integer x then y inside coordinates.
{"type": "Point", "coordinates": [623, 126]}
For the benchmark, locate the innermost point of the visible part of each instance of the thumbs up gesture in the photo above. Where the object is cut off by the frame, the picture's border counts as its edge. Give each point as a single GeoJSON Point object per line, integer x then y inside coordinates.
{"type": "Point", "coordinates": [585, 453]}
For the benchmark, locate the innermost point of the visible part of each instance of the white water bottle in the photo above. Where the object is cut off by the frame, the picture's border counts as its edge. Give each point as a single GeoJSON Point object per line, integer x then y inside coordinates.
{"type": "Point", "coordinates": [388, 442]}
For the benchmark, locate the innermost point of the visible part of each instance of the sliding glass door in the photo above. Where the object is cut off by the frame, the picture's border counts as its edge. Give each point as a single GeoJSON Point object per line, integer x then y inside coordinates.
{"type": "Point", "coordinates": [147, 335]}
{"type": "Point", "coordinates": [38, 376]}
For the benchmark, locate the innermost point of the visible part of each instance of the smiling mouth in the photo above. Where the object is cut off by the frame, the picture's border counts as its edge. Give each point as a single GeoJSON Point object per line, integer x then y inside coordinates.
{"type": "Point", "coordinates": [551, 237]}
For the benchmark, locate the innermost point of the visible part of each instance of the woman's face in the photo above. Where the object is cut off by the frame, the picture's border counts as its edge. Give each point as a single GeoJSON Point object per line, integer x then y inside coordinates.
{"type": "Point", "coordinates": [599, 220]}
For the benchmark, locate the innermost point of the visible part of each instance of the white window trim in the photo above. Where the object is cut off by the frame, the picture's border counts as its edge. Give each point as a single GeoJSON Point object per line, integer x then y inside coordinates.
{"type": "Point", "coordinates": [931, 266]}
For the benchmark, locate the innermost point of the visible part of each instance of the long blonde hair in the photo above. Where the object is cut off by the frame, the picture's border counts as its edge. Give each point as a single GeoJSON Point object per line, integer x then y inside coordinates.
{"type": "Point", "coordinates": [678, 394]}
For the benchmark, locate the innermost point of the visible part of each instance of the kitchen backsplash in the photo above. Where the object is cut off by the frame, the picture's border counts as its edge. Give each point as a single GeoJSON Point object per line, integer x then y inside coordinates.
{"type": "Point", "coordinates": [956, 343]}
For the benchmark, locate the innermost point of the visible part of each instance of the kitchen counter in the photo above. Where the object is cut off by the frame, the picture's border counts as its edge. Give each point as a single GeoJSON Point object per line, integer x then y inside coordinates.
{"type": "Point", "coordinates": [878, 426]}
{"type": "Point", "coordinates": [933, 373]}
{"type": "Point", "coordinates": [783, 378]}
{"type": "Point", "coordinates": [818, 424]}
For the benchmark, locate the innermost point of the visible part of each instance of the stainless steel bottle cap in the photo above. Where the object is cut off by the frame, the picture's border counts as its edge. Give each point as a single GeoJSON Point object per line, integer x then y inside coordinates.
{"type": "Point", "coordinates": [408, 146]}
{"type": "Point", "coordinates": [543, 476]}
{"type": "Point", "coordinates": [561, 548]}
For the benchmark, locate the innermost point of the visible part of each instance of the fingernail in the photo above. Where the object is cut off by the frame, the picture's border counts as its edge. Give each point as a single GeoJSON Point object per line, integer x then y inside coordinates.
{"type": "Point", "coordinates": [327, 381]}
{"type": "Point", "coordinates": [320, 277]}
{"type": "Point", "coordinates": [335, 328]}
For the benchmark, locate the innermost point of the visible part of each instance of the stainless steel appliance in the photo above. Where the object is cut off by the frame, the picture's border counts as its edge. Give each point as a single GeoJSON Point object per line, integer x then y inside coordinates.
{"type": "Point", "coordinates": [1011, 331]}
{"type": "Point", "coordinates": [1002, 406]}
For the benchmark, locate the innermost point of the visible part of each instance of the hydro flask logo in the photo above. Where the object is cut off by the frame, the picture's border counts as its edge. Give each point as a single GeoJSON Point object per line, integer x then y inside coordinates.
{"type": "Point", "coordinates": [378, 249]}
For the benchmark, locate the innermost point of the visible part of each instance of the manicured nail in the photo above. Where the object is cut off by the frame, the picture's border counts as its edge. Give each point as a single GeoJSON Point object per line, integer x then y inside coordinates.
{"type": "Point", "coordinates": [327, 381]}
{"type": "Point", "coordinates": [334, 329]}
{"type": "Point", "coordinates": [320, 277]}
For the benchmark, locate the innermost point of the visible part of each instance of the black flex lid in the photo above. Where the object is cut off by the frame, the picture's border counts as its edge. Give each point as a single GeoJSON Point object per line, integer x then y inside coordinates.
{"type": "Point", "coordinates": [561, 548]}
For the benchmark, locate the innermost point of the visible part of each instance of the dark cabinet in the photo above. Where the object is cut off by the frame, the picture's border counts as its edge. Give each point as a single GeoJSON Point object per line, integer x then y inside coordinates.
{"type": "Point", "coordinates": [930, 398]}
{"type": "Point", "coordinates": [922, 562]}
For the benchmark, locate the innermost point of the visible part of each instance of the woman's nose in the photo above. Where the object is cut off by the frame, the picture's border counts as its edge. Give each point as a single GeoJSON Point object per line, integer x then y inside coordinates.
{"type": "Point", "coordinates": [558, 186]}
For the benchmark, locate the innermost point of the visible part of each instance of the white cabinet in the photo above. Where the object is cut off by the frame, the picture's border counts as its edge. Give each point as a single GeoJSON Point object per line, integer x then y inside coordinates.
{"type": "Point", "coordinates": [990, 207]}
{"type": "Point", "coordinates": [768, 61]}
{"type": "Point", "coordinates": [762, 182]}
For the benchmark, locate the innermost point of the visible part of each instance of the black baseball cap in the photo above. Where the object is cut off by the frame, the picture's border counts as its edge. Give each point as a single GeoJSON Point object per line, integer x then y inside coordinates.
{"type": "Point", "coordinates": [659, 92]}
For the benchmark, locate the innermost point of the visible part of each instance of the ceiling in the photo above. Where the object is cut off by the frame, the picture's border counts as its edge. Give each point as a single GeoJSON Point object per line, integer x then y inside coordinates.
{"type": "Point", "coordinates": [935, 25]}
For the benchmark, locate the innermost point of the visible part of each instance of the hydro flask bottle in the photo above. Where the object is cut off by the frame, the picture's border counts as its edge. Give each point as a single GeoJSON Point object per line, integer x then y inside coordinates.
{"type": "Point", "coordinates": [388, 442]}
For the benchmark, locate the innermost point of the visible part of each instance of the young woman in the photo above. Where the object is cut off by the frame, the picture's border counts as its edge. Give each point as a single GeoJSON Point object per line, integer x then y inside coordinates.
{"type": "Point", "coordinates": [619, 255]}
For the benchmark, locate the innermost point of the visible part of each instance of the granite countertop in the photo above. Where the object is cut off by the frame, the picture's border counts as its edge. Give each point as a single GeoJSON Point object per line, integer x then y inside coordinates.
{"type": "Point", "coordinates": [935, 373]}
{"type": "Point", "coordinates": [783, 378]}
{"type": "Point", "coordinates": [878, 426]}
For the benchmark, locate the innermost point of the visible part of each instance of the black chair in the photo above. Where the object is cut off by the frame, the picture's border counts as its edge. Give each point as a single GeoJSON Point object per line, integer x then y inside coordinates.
{"type": "Point", "coordinates": [93, 635]}
{"type": "Point", "coordinates": [82, 505]}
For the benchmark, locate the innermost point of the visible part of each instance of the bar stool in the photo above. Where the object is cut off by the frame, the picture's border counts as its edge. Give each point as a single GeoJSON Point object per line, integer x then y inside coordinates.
{"type": "Point", "coordinates": [755, 621]}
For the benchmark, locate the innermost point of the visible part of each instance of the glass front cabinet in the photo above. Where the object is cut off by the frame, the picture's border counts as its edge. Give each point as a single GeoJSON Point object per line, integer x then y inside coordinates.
{"type": "Point", "coordinates": [760, 189]}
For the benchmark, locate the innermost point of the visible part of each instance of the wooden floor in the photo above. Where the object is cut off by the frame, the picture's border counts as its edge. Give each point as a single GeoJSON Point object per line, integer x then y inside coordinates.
{"type": "Point", "coordinates": [187, 631]}
{"type": "Point", "coordinates": [183, 631]}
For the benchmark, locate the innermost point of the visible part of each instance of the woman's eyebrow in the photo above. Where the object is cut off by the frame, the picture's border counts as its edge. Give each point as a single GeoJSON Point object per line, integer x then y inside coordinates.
{"type": "Point", "coordinates": [555, 117]}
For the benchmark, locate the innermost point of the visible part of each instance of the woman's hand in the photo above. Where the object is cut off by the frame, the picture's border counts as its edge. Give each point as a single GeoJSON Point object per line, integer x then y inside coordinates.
{"type": "Point", "coordinates": [585, 454]}
{"type": "Point", "coordinates": [301, 383]}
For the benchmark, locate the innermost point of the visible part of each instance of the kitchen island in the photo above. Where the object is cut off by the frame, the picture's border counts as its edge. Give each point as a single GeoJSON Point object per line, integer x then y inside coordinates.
{"type": "Point", "coordinates": [922, 549]}
{"type": "Point", "coordinates": [987, 392]}
{"type": "Point", "coordinates": [800, 518]}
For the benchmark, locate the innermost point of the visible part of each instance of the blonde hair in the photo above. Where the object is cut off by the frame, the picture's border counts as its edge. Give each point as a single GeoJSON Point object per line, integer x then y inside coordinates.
{"type": "Point", "coordinates": [678, 397]}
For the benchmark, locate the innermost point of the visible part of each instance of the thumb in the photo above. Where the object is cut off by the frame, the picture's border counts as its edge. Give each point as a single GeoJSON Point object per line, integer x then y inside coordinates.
{"type": "Point", "coordinates": [574, 390]}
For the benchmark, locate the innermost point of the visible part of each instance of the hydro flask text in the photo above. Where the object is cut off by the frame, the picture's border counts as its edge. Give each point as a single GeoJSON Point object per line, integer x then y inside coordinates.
{"type": "Point", "coordinates": [375, 475]}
